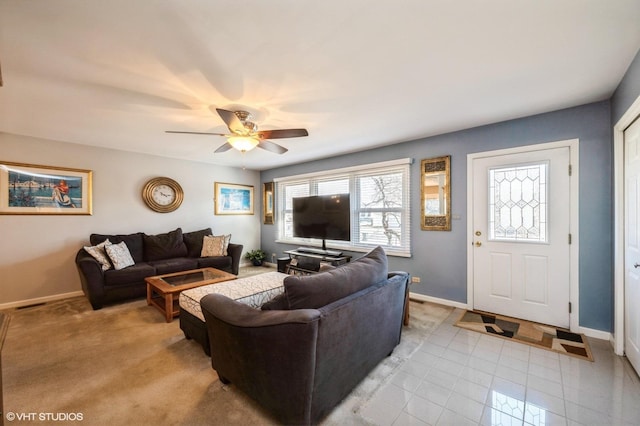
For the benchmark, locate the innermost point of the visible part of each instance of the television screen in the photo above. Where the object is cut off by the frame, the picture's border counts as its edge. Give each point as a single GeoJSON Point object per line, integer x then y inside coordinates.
{"type": "Point", "coordinates": [326, 217]}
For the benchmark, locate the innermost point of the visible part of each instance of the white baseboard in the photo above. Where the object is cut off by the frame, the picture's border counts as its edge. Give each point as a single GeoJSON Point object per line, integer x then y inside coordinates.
{"type": "Point", "coordinates": [596, 334]}
{"type": "Point", "coordinates": [425, 298]}
{"type": "Point", "coordinates": [264, 262]}
{"type": "Point", "coordinates": [40, 300]}
{"type": "Point", "coordinates": [617, 349]}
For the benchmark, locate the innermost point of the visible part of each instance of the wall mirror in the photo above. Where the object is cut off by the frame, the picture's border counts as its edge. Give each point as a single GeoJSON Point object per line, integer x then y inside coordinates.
{"type": "Point", "coordinates": [267, 203]}
{"type": "Point", "coordinates": [435, 186]}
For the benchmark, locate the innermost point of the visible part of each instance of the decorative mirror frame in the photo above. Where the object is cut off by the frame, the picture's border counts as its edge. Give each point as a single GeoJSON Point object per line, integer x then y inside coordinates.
{"type": "Point", "coordinates": [268, 203]}
{"type": "Point", "coordinates": [428, 167]}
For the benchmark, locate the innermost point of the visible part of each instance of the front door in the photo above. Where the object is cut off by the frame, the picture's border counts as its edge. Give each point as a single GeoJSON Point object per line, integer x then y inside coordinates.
{"type": "Point", "coordinates": [632, 243]}
{"type": "Point", "coordinates": [521, 234]}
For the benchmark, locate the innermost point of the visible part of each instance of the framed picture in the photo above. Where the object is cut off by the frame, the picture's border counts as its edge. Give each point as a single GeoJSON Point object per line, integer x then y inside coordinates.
{"type": "Point", "coordinates": [34, 189]}
{"type": "Point", "coordinates": [233, 199]}
{"type": "Point", "coordinates": [267, 203]}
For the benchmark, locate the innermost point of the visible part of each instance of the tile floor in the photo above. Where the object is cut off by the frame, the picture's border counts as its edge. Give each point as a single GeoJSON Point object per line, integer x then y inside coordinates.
{"type": "Point", "coordinates": [459, 377]}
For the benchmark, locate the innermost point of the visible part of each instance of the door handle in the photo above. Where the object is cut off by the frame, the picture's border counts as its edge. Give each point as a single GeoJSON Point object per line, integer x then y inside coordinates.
{"type": "Point", "coordinates": [636, 265]}
{"type": "Point", "coordinates": [478, 244]}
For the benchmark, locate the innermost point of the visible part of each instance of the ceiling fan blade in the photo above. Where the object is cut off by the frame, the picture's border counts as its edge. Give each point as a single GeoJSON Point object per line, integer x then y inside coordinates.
{"type": "Point", "coordinates": [196, 133]}
{"type": "Point", "coordinates": [226, 147]}
{"type": "Point", "coordinates": [282, 133]}
{"type": "Point", "coordinates": [231, 120]}
{"type": "Point", "coordinates": [273, 147]}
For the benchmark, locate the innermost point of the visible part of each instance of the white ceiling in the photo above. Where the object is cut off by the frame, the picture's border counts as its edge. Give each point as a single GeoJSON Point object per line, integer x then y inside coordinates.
{"type": "Point", "coordinates": [356, 73]}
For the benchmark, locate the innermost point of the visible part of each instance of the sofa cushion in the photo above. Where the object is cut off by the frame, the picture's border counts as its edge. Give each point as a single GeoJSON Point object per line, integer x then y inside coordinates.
{"type": "Point", "coordinates": [164, 246]}
{"type": "Point", "coordinates": [134, 243]}
{"type": "Point", "coordinates": [119, 255]}
{"type": "Point", "coordinates": [278, 303]}
{"type": "Point", "coordinates": [218, 262]}
{"type": "Point", "coordinates": [193, 241]}
{"type": "Point", "coordinates": [177, 264]}
{"type": "Point", "coordinates": [316, 291]}
{"type": "Point", "coordinates": [134, 274]}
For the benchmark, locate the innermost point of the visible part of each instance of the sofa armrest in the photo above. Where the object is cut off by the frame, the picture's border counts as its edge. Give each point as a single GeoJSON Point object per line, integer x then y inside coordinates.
{"type": "Point", "coordinates": [235, 251]}
{"type": "Point", "coordinates": [91, 278]}
{"type": "Point", "coordinates": [392, 274]}
{"type": "Point", "coordinates": [269, 355]}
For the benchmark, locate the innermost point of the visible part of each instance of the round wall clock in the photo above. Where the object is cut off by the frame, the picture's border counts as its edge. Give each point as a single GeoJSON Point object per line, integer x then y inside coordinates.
{"type": "Point", "coordinates": [162, 194]}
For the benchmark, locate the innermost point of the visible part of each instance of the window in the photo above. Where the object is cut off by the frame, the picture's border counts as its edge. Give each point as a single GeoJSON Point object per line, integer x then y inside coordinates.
{"type": "Point", "coordinates": [380, 211]}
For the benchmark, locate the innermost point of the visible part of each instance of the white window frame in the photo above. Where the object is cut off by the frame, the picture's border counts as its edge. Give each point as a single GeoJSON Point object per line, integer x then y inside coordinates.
{"type": "Point", "coordinates": [352, 173]}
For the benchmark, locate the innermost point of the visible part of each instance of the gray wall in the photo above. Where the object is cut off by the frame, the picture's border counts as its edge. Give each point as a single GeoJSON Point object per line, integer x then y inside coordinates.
{"type": "Point", "coordinates": [627, 92]}
{"type": "Point", "coordinates": [440, 258]}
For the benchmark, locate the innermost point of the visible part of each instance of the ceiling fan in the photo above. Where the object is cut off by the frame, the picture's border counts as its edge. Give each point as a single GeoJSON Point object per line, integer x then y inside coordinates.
{"type": "Point", "coordinates": [245, 135]}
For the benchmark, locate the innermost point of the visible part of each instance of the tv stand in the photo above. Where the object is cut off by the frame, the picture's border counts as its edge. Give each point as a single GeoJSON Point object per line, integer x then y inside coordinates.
{"type": "Point", "coordinates": [308, 262]}
{"type": "Point", "coordinates": [324, 252]}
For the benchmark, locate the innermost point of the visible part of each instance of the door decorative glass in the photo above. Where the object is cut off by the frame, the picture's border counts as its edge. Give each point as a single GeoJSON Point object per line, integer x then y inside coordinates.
{"type": "Point", "coordinates": [518, 203]}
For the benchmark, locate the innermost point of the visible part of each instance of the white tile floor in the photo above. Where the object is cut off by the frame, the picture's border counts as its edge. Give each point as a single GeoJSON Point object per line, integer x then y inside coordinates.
{"type": "Point", "coordinates": [459, 377]}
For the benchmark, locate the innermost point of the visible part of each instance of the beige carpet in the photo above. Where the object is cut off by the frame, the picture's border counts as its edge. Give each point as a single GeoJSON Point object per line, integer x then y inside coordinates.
{"type": "Point", "coordinates": [125, 365]}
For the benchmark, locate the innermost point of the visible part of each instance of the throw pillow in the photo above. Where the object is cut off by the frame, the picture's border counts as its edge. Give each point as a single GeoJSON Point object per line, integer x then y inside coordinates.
{"type": "Point", "coordinates": [164, 246]}
{"type": "Point", "coordinates": [193, 241]}
{"type": "Point", "coordinates": [119, 255]}
{"type": "Point", "coordinates": [134, 242]}
{"type": "Point", "coordinates": [316, 291]}
{"type": "Point", "coordinates": [225, 244]}
{"type": "Point", "coordinates": [212, 246]}
{"type": "Point", "coordinates": [98, 252]}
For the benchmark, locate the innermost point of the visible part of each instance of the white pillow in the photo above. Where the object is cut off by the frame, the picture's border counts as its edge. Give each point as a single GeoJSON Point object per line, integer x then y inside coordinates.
{"type": "Point", "coordinates": [98, 252]}
{"type": "Point", "coordinates": [119, 255]}
{"type": "Point", "coordinates": [227, 238]}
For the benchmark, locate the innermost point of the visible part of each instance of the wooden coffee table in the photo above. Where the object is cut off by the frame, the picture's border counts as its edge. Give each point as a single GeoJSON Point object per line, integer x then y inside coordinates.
{"type": "Point", "coordinates": [163, 291]}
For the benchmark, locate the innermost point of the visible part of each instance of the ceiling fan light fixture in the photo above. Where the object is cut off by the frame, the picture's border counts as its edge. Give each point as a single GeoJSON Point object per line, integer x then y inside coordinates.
{"type": "Point", "coordinates": [243, 143]}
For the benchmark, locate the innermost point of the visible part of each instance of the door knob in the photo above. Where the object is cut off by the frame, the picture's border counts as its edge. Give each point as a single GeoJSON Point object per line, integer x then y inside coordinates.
{"type": "Point", "coordinates": [478, 243]}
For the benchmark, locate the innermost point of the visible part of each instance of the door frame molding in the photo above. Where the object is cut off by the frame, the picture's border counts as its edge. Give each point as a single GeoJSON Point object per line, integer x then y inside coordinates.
{"type": "Point", "coordinates": [617, 337]}
{"type": "Point", "coordinates": [574, 249]}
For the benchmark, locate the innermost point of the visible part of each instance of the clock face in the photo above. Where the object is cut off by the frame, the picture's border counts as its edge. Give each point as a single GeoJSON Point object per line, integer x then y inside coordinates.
{"type": "Point", "coordinates": [162, 194]}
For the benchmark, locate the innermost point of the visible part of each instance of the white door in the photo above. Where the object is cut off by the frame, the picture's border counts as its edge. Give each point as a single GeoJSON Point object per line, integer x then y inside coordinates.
{"type": "Point", "coordinates": [521, 226]}
{"type": "Point", "coordinates": [632, 243]}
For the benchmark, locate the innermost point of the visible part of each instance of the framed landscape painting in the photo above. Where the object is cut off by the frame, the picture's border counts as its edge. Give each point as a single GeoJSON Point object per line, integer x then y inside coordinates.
{"type": "Point", "coordinates": [35, 189]}
{"type": "Point", "coordinates": [233, 199]}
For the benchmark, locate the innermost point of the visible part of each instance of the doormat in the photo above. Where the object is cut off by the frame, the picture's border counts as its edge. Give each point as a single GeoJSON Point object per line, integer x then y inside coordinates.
{"type": "Point", "coordinates": [541, 336]}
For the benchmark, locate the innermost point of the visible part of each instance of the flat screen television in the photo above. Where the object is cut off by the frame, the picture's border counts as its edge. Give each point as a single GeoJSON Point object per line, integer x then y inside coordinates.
{"type": "Point", "coordinates": [325, 217]}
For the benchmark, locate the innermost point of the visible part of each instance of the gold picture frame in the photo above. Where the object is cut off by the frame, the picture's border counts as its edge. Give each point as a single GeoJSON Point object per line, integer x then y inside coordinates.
{"type": "Point", "coordinates": [268, 203]}
{"type": "Point", "coordinates": [435, 194]}
{"type": "Point", "coordinates": [41, 190]}
{"type": "Point", "coordinates": [233, 199]}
